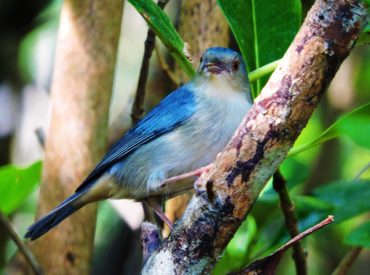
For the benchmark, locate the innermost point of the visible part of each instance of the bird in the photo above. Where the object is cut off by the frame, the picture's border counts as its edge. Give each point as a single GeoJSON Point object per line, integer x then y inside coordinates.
{"type": "Point", "coordinates": [184, 132]}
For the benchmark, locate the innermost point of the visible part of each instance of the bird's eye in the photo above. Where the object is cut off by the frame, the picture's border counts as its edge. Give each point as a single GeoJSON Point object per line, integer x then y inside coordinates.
{"type": "Point", "coordinates": [235, 65]}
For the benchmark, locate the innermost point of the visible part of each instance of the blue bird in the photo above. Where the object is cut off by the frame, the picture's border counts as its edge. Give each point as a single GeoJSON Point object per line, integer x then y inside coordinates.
{"type": "Point", "coordinates": [184, 132]}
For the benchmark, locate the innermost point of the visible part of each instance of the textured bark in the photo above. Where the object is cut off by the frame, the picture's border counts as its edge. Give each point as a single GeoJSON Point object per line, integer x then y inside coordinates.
{"type": "Point", "coordinates": [202, 25]}
{"type": "Point", "coordinates": [76, 140]}
{"type": "Point", "coordinates": [227, 192]}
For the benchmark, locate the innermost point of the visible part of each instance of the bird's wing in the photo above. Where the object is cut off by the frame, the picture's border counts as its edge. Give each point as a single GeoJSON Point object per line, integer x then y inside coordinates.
{"type": "Point", "coordinates": [170, 113]}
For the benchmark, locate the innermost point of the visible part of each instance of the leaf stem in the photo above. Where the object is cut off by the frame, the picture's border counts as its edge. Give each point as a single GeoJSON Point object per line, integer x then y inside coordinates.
{"type": "Point", "coordinates": [262, 71]}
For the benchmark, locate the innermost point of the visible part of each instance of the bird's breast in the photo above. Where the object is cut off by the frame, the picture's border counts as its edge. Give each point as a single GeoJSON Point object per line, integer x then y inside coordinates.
{"type": "Point", "coordinates": [192, 145]}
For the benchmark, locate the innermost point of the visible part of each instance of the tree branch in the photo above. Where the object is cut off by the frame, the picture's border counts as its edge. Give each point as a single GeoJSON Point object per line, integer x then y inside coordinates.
{"type": "Point", "coordinates": [347, 261]}
{"type": "Point", "coordinates": [287, 206]}
{"type": "Point", "coordinates": [227, 192]}
{"type": "Point", "coordinates": [138, 107]}
{"type": "Point", "coordinates": [27, 253]}
{"type": "Point", "coordinates": [268, 265]}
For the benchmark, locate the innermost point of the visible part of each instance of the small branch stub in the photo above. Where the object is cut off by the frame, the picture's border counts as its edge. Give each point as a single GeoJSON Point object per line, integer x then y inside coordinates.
{"type": "Point", "coordinates": [150, 239]}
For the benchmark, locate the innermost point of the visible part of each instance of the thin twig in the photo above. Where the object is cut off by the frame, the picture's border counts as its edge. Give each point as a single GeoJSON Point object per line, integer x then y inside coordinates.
{"type": "Point", "coordinates": [291, 222]}
{"type": "Point", "coordinates": [347, 261]}
{"type": "Point", "coordinates": [40, 135]}
{"type": "Point", "coordinates": [21, 246]}
{"type": "Point", "coordinates": [362, 171]}
{"type": "Point", "coordinates": [268, 265]}
{"type": "Point", "coordinates": [165, 68]}
{"type": "Point", "coordinates": [138, 107]}
{"type": "Point", "coordinates": [300, 236]}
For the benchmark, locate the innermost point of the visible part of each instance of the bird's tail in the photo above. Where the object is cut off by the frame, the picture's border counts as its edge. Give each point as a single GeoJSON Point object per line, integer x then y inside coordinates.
{"type": "Point", "coordinates": [53, 218]}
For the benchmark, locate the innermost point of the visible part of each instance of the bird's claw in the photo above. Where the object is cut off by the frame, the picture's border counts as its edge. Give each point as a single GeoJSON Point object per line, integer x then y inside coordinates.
{"type": "Point", "coordinates": [195, 173]}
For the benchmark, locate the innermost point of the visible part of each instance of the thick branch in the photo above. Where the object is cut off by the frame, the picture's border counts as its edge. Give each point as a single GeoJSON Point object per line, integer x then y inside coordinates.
{"type": "Point", "coordinates": [227, 192]}
{"type": "Point", "coordinates": [291, 222]}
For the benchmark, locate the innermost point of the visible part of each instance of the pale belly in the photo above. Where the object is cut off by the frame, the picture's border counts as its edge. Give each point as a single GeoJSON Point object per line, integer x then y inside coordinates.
{"type": "Point", "coordinates": [191, 146]}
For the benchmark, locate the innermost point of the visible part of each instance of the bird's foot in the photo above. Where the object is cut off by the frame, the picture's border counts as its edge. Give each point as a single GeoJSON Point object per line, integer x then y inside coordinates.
{"type": "Point", "coordinates": [158, 211]}
{"type": "Point", "coordinates": [194, 173]}
{"type": "Point", "coordinates": [163, 217]}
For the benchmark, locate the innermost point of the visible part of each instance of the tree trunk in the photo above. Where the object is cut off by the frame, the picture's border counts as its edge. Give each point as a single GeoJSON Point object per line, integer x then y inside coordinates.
{"type": "Point", "coordinates": [227, 192]}
{"type": "Point", "coordinates": [202, 25]}
{"type": "Point", "coordinates": [76, 140]}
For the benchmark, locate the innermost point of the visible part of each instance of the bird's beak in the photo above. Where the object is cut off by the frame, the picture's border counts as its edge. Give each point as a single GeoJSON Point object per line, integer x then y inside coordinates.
{"type": "Point", "coordinates": [214, 68]}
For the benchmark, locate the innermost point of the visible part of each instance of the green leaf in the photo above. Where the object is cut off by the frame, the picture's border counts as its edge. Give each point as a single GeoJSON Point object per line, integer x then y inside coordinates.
{"type": "Point", "coordinates": [349, 198]}
{"type": "Point", "coordinates": [166, 32]}
{"type": "Point", "coordinates": [355, 125]}
{"type": "Point", "coordinates": [311, 210]}
{"type": "Point", "coordinates": [16, 184]}
{"type": "Point", "coordinates": [360, 236]}
{"type": "Point", "coordinates": [364, 38]}
{"type": "Point", "coordinates": [263, 29]}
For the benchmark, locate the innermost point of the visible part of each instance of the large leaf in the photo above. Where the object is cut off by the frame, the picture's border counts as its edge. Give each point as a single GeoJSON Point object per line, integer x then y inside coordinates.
{"type": "Point", "coordinates": [164, 29]}
{"type": "Point", "coordinates": [349, 198]}
{"type": "Point", "coordinates": [16, 184]}
{"type": "Point", "coordinates": [360, 236]}
{"type": "Point", "coordinates": [355, 125]}
{"type": "Point", "coordinates": [263, 29]}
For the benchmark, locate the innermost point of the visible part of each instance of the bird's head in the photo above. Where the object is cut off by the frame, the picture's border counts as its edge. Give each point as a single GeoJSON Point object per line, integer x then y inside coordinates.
{"type": "Point", "coordinates": [223, 63]}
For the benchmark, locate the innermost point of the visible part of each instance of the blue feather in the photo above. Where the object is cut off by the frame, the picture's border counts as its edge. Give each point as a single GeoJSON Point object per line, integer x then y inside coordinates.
{"type": "Point", "coordinates": [173, 111]}
{"type": "Point", "coordinates": [53, 218]}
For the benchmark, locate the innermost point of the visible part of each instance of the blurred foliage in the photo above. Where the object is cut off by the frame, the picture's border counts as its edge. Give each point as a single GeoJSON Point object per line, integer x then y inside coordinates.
{"type": "Point", "coordinates": [16, 184]}
{"type": "Point", "coordinates": [360, 236]}
{"type": "Point", "coordinates": [234, 256]}
{"type": "Point", "coordinates": [355, 125]}
{"type": "Point", "coordinates": [348, 198]}
{"type": "Point", "coordinates": [37, 40]}
{"type": "Point", "coordinates": [263, 32]}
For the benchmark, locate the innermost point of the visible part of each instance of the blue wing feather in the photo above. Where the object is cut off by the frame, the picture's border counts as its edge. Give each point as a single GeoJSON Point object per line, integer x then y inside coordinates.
{"type": "Point", "coordinates": [170, 113]}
